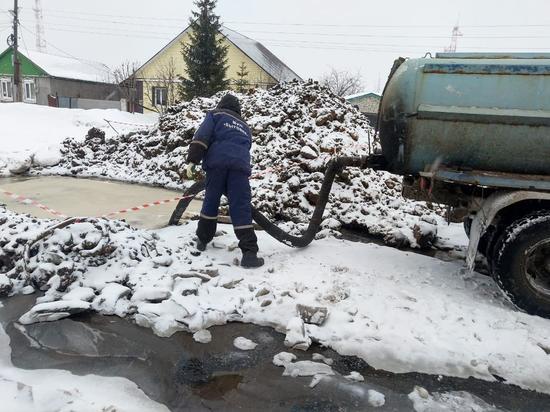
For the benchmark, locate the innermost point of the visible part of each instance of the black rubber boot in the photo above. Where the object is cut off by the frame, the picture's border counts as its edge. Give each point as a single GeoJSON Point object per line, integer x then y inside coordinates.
{"type": "Point", "coordinates": [206, 230]}
{"type": "Point", "coordinates": [251, 260]}
{"type": "Point", "coordinates": [201, 247]}
{"type": "Point", "coordinates": [248, 243]}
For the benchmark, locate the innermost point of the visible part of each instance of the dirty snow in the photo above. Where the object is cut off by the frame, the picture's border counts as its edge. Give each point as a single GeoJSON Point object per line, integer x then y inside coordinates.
{"type": "Point", "coordinates": [399, 311]}
{"type": "Point", "coordinates": [423, 401]}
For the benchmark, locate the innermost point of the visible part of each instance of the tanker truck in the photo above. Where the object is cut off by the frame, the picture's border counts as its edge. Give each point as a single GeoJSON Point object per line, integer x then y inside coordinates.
{"type": "Point", "coordinates": [472, 131]}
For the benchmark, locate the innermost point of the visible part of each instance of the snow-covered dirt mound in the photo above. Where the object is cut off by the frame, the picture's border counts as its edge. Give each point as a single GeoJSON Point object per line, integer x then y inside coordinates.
{"type": "Point", "coordinates": [297, 129]}
{"type": "Point", "coordinates": [399, 311]}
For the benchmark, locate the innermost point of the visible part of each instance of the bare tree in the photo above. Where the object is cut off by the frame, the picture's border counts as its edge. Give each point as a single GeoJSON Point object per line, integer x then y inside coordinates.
{"type": "Point", "coordinates": [163, 86]}
{"type": "Point", "coordinates": [125, 77]}
{"type": "Point", "coordinates": [342, 83]}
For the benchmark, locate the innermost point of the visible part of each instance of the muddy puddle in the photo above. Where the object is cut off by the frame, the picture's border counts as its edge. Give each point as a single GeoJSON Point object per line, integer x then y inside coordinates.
{"type": "Point", "coordinates": [91, 197]}
{"type": "Point", "coordinates": [186, 375]}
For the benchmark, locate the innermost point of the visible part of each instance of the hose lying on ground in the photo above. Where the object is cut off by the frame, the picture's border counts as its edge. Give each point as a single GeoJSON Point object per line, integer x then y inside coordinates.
{"type": "Point", "coordinates": [334, 167]}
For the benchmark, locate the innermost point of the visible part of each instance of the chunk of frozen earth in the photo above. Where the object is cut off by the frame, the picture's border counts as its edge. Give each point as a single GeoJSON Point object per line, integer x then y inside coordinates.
{"type": "Point", "coordinates": [80, 293]}
{"type": "Point", "coordinates": [150, 294]}
{"type": "Point", "coordinates": [282, 358]}
{"type": "Point", "coordinates": [19, 166]}
{"type": "Point", "coordinates": [202, 336]}
{"type": "Point", "coordinates": [244, 343]}
{"type": "Point", "coordinates": [52, 311]}
{"type": "Point", "coordinates": [376, 399]}
{"type": "Point", "coordinates": [296, 336]}
{"type": "Point", "coordinates": [106, 302]}
{"type": "Point", "coordinates": [448, 402]}
{"type": "Point", "coordinates": [355, 376]}
{"type": "Point", "coordinates": [307, 368]}
{"type": "Point", "coordinates": [187, 286]}
{"type": "Point", "coordinates": [5, 285]}
{"type": "Point", "coordinates": [308, 153]}
{"type": "Point", "coordinates": [319, 357]}
{"type": "Point", "coordinates": [314, 315]}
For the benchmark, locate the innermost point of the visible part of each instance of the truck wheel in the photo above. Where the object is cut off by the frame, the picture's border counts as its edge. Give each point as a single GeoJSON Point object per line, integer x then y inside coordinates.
{"type": "Point", "coordinates": [521, 263]}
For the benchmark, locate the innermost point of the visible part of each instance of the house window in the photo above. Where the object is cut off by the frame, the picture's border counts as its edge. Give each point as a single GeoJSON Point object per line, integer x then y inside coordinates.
{"type": "Point", "coordinates": [161, 96]}
{"type": "Point", "coordinates": [30, 91]}
{"type": "Point", "coordinates": [6, 89]}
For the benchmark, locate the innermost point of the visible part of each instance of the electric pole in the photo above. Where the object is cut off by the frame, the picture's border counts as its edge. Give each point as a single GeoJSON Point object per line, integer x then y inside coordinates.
{"type": "Point", "coordinates": [39, 21]}
{"type": "Point", "coordinates": [454, 40]}
{"type": "Point", "coordinates": [17, 97]}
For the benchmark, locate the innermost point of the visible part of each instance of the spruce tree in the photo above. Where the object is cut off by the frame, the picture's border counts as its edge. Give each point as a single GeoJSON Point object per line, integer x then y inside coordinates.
{"type": "Point", "coordinates": [242, 78]}
{"type": "Point", "coordinates": [205, 54]}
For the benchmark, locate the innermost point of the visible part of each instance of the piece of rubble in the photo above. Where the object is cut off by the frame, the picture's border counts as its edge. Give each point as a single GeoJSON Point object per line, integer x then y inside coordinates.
{"type": "Point", "coordinates": [296, 337]}
{"type": "Point", "coordinates": [187, 286]}
{"type": "Point", "coordinates": [307, 368]}
{"type": "Point", "coordinates": [106, 301]}
{"type": "Point", "coordinates": [6, 285]}
{"type": "Point", "coordinates": [313, 315]}
{"type": "Point", "coordinates": [355, 376]}
{"type": "Point", "coordinates": [282, 358]}
{"type": "Point", "coordinates": [424, 234]}
{"type": "Point", "coordinates": [150, 294]}
{"type": "Point", "coordinates": [52, 311]}
{"type": "Point", "coordinates": [319, 357]}
{"type": "Point", "coordinates": [376, 399]}
{"type": "Point", "coordinates": [202, 336]}
{"type": "Point", "coordinates": [80, 293]}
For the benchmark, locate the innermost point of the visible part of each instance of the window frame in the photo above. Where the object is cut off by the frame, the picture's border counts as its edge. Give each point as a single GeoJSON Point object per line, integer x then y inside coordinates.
{"type": "Point", "coordinates": [155, 96]}
{"type": "Point", "coordinates": [31, 83]}
{"type": "Point", "coordinates": [6, 84]}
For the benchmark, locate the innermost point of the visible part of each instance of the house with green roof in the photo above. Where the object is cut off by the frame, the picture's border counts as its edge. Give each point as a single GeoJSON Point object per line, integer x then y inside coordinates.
{"type": "Point", "coordinates": [58, 81]}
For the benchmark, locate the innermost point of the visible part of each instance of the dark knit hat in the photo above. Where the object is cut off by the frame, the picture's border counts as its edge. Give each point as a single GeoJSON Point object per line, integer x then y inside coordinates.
{"type": "Point", "coordinates": [230, 102]}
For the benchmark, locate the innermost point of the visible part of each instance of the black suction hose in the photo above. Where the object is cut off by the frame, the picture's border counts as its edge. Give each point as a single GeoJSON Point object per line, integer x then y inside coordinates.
{"type": "Point", "coordinates": [334, 167]}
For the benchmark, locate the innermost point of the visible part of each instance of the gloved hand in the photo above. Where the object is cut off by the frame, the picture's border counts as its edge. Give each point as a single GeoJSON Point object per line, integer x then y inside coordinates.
{"type": "Point", "coordinates": [192, 171]}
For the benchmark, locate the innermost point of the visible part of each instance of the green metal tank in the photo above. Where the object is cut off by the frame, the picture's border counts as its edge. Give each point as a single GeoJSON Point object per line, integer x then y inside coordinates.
{"type": "Point", "coordinates": [487, 112]}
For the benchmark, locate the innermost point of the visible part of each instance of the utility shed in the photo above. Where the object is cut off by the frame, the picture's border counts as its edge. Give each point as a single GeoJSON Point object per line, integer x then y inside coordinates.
{"type": "Point", "coordinates": [51, 80]}
{"type": "Point", "coordinates": [368, 104]}
{"type": "Point", "coordinates": [158, 78]}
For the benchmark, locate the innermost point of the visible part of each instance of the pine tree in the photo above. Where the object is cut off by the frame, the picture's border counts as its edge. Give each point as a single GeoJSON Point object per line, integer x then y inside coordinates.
{"type": "Point", "coordinates": [205, 54]}
{"type": "Point", "coordinates": [242, 80]}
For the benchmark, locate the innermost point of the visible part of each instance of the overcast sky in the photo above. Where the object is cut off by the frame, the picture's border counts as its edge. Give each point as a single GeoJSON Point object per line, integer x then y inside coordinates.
{"type": "Point", "coordinates": [310, 36]}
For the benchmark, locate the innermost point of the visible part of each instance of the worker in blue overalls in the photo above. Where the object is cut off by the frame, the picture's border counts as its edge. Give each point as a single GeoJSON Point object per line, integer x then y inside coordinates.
{"type": "Point", "coordinates": [223, 143]}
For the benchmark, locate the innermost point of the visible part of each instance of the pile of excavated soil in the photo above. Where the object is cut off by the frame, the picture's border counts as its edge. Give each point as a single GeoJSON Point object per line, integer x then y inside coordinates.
{"type": "Point", "coordinates": [297, 128]}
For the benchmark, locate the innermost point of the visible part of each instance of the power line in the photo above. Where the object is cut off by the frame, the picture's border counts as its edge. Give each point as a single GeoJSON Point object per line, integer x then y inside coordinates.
{"type": "Point", "coordinates": [86, 62]}
{"type": "Point", "coordinates": [129, 17]}
{"type": "Point", "coordinates": [129, 33]}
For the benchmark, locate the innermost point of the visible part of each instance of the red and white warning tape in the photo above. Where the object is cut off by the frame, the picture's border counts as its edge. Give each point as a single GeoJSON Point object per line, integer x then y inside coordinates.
{"type": "Point", "coordinates": [145, 206]}
{"type": "Point", "coordinates": [28, 201]}
{"type": "Point", "coordinates": [32, 202]}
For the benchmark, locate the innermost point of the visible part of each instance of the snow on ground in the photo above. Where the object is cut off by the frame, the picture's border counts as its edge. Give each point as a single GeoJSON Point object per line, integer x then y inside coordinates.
{"type": "Point", "coordinates": [399, 311]}
{"type": "Point", "coordinates": [29, 130]}
{"type": "Point", "coordinates": [57, 390]}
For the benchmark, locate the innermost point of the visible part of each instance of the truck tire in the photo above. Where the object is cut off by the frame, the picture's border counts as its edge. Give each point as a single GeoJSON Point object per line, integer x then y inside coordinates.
{"type": "Point", "coordinates": [521, 263]}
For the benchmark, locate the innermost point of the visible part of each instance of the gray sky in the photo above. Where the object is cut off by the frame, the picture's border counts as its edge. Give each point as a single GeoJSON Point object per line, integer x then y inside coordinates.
{"type": "Point", "coordinates": [310, 36]}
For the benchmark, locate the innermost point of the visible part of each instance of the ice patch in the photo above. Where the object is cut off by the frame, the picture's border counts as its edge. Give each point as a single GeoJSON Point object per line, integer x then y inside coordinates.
{"type": "Point", "coordinates": [244, 343]}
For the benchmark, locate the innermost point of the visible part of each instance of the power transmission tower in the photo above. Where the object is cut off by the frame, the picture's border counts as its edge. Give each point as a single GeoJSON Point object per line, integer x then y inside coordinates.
{"type": "Point", "coordinates": [454, 40]}
{"type": "Point", "coordinates": [40, 35]}
{"type": "Point", "coordinates": [13, 41]}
